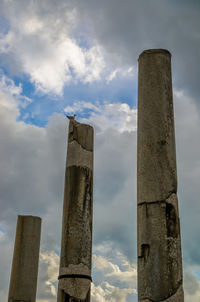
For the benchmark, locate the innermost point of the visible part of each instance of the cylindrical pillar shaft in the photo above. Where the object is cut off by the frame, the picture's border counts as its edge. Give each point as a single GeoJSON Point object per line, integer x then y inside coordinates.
{"type": "Point", "coordinates": [159, 243]}
{"type": "Point", "coordinates": [76, 246]}
{"type": "Point", "coordinates": [23, 282]}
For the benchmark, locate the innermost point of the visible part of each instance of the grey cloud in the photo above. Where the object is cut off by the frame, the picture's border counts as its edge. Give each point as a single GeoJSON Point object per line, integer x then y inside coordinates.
{"type": "Point", "coordinates": [125, 29]}
{"type": "Point", "coordinates": [32, 159]}
{"type": "Point", "coordinates": [188, 149]}
{"type": "Point", "coordinates": [5, 266]}
{"type": "Point", "coordinates": [32, 182]}
{"type": "Point", "coordinates": [31, 176]}
{"type": "Point", "coordinates": [191, 284]}
{"type": "Point", "coordinates": [115, 190]}
{"type": "Point", "coordinates": [40, 44]}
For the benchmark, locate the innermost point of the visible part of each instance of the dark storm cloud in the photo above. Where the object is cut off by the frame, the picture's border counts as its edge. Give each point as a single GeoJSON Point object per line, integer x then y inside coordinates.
{"type": "Point", "coordinates": [126, 28]}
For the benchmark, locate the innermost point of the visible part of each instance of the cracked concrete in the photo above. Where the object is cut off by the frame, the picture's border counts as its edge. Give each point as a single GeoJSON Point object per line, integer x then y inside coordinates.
{"type": "Point", "coordinates": [76, 246]}
{"type": "Point", "coordinates": [23, 281]}
{"type": "Point", "coordinates": [159, 242]}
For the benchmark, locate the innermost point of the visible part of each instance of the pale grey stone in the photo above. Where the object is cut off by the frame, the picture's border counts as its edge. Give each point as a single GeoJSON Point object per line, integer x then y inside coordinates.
{"type": "Point", "coordinates": [76, 246]}
{"type": "Point", "coordinates": [159, 242]}
{"type": "Point", "coordinates": [23, 282]}
{"type": "Point", "coordinates": [157, 177]}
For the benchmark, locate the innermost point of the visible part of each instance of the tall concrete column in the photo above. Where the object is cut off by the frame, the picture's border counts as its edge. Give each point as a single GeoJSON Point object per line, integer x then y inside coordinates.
{"type": "Point", "coordinates": [76, 247]}
{"type": "Point", "coordinates": [23, 282]}
{"type": "Point", "coordinates": [159, 242]}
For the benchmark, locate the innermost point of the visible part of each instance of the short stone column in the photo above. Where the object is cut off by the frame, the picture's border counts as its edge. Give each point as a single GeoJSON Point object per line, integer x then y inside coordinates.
{"type": "Point", "coordinates": [76, 247]}
{"type": "Point", "coordinates": [23, 282]}
{"type": "Point", "coordinates": [159, 242]}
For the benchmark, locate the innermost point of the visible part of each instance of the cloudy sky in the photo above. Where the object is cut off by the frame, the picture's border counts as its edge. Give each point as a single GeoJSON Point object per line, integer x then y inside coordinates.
{"type": "Point", "coordinates": [81, 57]}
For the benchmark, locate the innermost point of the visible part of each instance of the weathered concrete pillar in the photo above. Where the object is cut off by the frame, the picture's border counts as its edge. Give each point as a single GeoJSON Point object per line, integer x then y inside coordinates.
{"type": "Point", "coordinates": [23, 282]}
{"type": "Point", "coordinates": [159, 242]}
{"type": "Point", "coordinates": [76, 247]}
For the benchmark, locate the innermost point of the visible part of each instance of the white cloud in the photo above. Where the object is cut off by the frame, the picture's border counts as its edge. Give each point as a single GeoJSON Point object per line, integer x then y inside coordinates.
{"type": "Point", "coordinates": [101, 263]}
{"type": "Point", "coordinates": [122, 72]}
{"type": "Point", "coordinates": [105, 291]}
{"type": "Point", "coordinates": [41, 45]}
{"type": "Point", "coordinates": [51, 266]}
{"type": "Point", "coordinates": [113, 272]}
{"type": "Point", "coordinates": [118, 116]}
{"type": "Point", "coordinates": [49, 44]}
{"type": "Point", "coordinates": [109, 293]}
{"type": "Point", "coordinates": [191, 286]}
{"type": "Point", "coordinates": [11, 94]}
{"type": "Point", "coordinates": [7, 85]}
{"type": "Point", "coordinates": [114, 284]}
{"type": "Point", "coordinates": [32, 26]}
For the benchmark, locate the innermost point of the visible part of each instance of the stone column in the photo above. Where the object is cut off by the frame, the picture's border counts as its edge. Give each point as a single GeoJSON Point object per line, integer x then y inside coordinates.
{"type": "Point", "coordinates": [23, 282]}
{"type": "Point", "coordinates": [159, 242]}
{"type": "Point", "coordinates": [76, 247]}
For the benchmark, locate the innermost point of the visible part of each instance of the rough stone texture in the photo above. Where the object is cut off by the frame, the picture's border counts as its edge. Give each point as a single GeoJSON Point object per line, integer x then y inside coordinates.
{"type": "Point", "coordinates": [76, 246]}
{"type": "Point", "coordinates": [23, 282]}
{"type": "Point", "coordinates": [177, 297]}
{"type": "Point", "coordinates": [156, 139]}
{"type": "Point", "coordinates": [159, 242]}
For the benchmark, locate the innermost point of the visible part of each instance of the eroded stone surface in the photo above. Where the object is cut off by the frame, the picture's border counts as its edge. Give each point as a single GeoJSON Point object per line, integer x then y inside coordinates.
{"type": "Point", "coordinates": [77, 221]}
{"type": "Point", "coordinates": [76, 269]}
{"type": "Point", "coordinates": [177, 297]}
{"type": "Point", "coordinates": [76, 288]}
{"type": "Point", "coordinates": [81, 133]}
{"type": "Point", "coordinates": [156, 141]}
{"type": "Point", "coordinates": [159, 243]}
{"type": "Point", "coordinates": [23, 282]}
{"type": "Point", "coordinates": [78, 156]}
{"type": "Point", "coordinates": [159, 251]}
{"type": "Point", "coordinates": [76, 247]}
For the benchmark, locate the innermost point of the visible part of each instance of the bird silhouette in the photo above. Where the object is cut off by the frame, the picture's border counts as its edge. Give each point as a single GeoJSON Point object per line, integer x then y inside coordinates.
{"type": "Point", "coordinates": [71, 117]}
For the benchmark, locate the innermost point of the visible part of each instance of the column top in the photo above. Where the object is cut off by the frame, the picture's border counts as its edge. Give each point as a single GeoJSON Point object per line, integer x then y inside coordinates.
{"type": "Point", "coordinates": [154, 51]}
{"type": "Point", "coordinates": [29, 216]}
{"type": "Point", "coordinates": [82, 134]}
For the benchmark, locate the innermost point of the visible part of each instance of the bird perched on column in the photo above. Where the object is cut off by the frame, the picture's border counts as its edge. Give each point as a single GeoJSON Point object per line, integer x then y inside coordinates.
{"type": "Point", "coordinates": [71, 117]}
